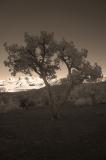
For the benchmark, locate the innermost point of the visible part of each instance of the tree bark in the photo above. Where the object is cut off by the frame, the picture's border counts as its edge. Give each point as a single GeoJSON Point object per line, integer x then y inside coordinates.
{"type": "Point", "coordinates": [53, 108]}
{"type": "Point", "coordinates": [67, 94]}
{"type": "Point", "coordinates": [68, 91]}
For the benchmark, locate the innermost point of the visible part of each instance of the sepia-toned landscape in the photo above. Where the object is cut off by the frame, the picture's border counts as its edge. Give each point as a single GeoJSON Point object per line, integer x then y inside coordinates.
{"type": "Point", "coordinates": [52, 80]}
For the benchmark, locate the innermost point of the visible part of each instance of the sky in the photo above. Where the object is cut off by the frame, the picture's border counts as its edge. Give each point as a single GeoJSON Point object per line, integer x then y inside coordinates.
{"type": "Point", "coordinates": [81, 21]}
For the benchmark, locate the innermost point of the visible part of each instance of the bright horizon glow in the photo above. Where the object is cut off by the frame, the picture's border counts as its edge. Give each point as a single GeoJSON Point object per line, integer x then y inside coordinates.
{"type": "Point", "coordinates": [24, 83]}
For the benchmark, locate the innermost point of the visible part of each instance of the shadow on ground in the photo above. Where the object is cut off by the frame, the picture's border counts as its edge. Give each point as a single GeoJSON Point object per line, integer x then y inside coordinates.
{"type": "Point", "coordinates": [31, 135]}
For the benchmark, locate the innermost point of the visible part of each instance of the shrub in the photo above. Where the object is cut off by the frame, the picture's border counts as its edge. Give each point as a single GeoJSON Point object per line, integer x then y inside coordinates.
{"type": "Point", "coordinates": [83, 101]}
{"type": "Point", "coordinates": [7, 103]}
{"type": "Point", "coordinates": [26, 103]}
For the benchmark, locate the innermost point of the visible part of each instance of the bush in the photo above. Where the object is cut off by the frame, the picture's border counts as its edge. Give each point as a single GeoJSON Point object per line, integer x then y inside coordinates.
{"type": "Point", "coordinates": [83, 101]}
{"type": "Point", "coordinates": [26, 103]}
{"type": "Point", "coordinates": [7, 103]}
{"type": "Point", "coordinates": [46, 102]}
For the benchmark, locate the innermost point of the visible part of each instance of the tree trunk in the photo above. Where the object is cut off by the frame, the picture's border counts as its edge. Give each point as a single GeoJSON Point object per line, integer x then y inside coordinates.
{"type": "Point", "coordinates": [68, 91]}
{"type": "Point", "coordinates": [67, 94]}
{"type": "Point", "coordinates": [53, 108]}
{"type": "Point", "coordinates": [93, 99]}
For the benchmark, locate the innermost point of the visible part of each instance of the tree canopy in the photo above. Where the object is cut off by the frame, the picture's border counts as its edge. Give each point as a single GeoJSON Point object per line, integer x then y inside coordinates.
{"type": "Point", "coordinates": [37, 55]}
{"type": "Point", "coordinates": [79, 68]}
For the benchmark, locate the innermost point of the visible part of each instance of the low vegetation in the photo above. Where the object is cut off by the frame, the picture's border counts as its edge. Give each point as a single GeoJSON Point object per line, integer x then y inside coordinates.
{"type": "Point", "coordinates": [83, 94]}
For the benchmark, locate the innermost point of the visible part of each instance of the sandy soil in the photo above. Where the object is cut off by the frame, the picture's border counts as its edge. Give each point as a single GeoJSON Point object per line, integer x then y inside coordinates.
{"type": "Point", "coordinates": [31, 135]}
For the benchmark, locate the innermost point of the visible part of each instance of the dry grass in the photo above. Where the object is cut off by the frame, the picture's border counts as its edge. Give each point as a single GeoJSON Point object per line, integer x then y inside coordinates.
{"type": "Point", "coordinates": [81, 95]}
{"type": "Point", "coordinates": [31, 135]}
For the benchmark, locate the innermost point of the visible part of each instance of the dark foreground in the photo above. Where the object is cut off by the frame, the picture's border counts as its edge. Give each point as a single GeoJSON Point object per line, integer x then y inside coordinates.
{"type": "Point", "coordinates": [31, 135]}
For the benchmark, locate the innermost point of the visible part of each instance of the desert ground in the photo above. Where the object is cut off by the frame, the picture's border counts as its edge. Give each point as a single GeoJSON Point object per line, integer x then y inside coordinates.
{"type": "Point", "coordinates": [32, 135]}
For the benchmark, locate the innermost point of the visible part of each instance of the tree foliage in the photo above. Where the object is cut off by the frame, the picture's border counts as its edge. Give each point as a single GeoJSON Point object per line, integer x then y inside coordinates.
{"type": "Point", "coordinates": [36, 55]}
{"type": "Point", "coordinates": [79, 68]}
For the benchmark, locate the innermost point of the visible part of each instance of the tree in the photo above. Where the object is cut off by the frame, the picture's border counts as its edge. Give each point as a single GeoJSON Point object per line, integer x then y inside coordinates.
{"type": "Point", "coordinates": [42, 54]}
{"type": "Point", "coordinates": [79, 68]}
{"type": "Point", "coordinates": [37, 55]}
